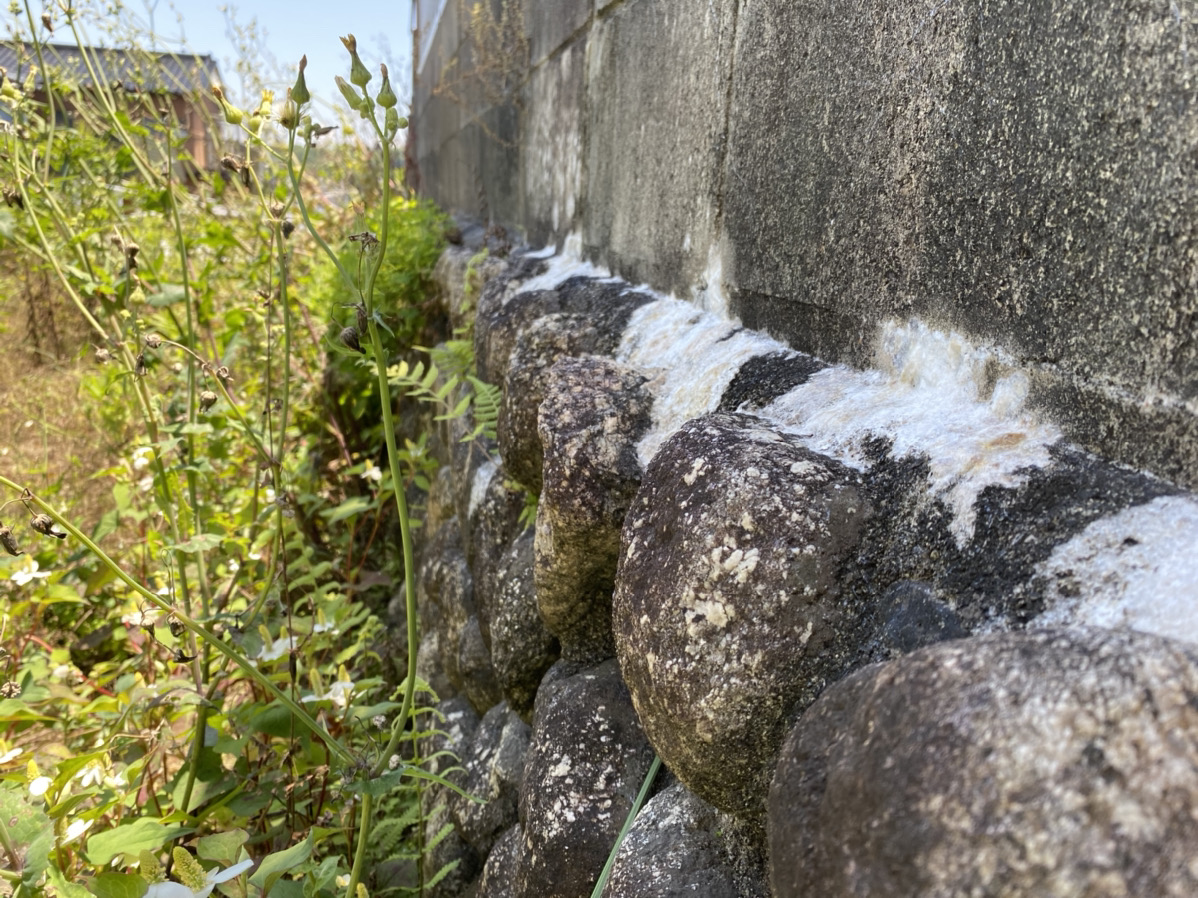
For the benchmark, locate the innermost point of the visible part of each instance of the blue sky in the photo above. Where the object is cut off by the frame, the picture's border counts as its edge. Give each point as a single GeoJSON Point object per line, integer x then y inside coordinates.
{"type": "Point", "coordinates": [288, 30]}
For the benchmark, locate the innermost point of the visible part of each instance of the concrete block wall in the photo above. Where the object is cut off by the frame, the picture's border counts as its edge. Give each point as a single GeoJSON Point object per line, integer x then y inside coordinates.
{"type": "Point", "coordinates": [1020, 173]}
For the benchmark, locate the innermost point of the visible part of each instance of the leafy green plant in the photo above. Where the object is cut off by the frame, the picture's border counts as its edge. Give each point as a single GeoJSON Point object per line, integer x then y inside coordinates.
{"type": "Point", "coordinates": [196, 664]}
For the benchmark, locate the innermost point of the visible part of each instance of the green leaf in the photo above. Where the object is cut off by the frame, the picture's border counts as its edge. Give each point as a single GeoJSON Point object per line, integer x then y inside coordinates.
{"type": "Point", "coordinates": [143, 834]}
{"type": "Point", "coordinates": [273, 866]}
{"type": "Point", "coordinates": [168, 295]}
{"type": "Point", "coordinates": [355, 505]}
{"type": "Point", "coordinates": [66, 889]}
{"type": "Point", "coordinates": [201, 542]}
{"type": "Point", "coordinates": [223, 848]}
{"type": "Point", "coordinates": [29, 829]}
{"type": "Point", "coordinates": [118, 885]}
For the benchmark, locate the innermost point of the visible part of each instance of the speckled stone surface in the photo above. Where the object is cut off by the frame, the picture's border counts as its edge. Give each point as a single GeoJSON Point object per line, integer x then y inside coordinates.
{"type": "Point", "coordinates": [1060, 762]}
{"type": "Point", "coordinates": [592, 416]}
{"type": "Point", "coordinates": [586, 763]}
{"type": "Point", "coordinates": [681, 846]}
{"type": "Point", "coordinates": [726, 610]}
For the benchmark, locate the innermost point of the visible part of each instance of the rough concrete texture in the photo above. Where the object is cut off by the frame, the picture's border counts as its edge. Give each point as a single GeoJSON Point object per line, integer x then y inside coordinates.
{"type": "Point", "coordinates": [1014, 171]}
{"type": "Point", "coordinates": [521, 648]}
{"type": "Point", "coordinates": [655, 139]}
{"type": "Point", "coordinates": [1017, 172]}
{"type": "Point", "coordinates": [552, 148]}
{"type": "Point", "coordinates": [594, 412]}
{"type": "Point", "coordinates": [676, 847]}
{"type": "Point", "coordinates": [585, 766]}
{"type": "Point", "coordinates": [1054, 763]}
{"type": "Point", "coordinates": [727, 613]}
{"type": "Point", "coordinates": [494, 764]}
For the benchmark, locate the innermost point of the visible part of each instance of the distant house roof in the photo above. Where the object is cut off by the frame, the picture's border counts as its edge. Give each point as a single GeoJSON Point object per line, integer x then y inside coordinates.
{"type": "Point", "coordinates": [136, 70]}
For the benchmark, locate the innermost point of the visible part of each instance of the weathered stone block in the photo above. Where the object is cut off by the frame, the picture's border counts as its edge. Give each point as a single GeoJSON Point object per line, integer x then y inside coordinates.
{"type": "Point", "coordinates": [726, 612]}
{"type": "Point", "coordinates": [1050, 763]}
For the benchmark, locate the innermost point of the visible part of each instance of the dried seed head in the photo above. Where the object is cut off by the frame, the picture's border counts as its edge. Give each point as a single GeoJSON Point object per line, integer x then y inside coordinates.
{"type": "Point", "coordinates": [103, 355]}
{"type": "Point", "coordinates": [9, 541]}
{"type": "Point", "coordinates": [48, 22]}
{"type": "Point", "coordinates": [207, 400]}
{"type": "Point", "coordinates": [176, 627]}
{"type": "Point", "coordinates": [276, 210]}
{"type": "Point", "coordinates": [12, 197]}
{"type": "Point", "coordinates": [223, 373]}
{"type": "Point", "coordinates": [140, 368]}
{"type": "Point", "coordinates": [363, 322]}
{"type": "Point", "coordinates": [349, 337]}
{"type": "Point", "coordinates": [368, 240]}
{"type": "Point", "coordinates": [319, 130]}
{"type": "Point", "coordinates": [44, 524]}
{"type": "Point", "coordinates": [153, 341]}
{"type": "Point", "coordinates": [229, 162]}
{"type": "Point", "coordinates": [10, 689]}
{"type": "Point", "coordinates": [287, 227]}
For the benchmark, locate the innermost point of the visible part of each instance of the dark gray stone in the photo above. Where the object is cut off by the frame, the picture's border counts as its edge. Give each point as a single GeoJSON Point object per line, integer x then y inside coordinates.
{"type": "Point", "coordinates": [521, 648]}
{"type": "Point", "coordinates": [499, 874]}
{"type": "Point", "coordinates": [593, 413]}
{"type": "Point", "coordinates": [993, 578]}
{"type": "Point", "coordinates": [496, 504]}
{"type": "Point", "coordinates": [676, 847]}
{"type": "Point", "coordinates": [1048, 763]}
{"type": "Point", "coordinates": [764, 378]}
{"type": "Point", "coordinates": [537, 348]}
{"type": "Point", "coordinates": [494, 766]}
{"type": "Point", "coordinates": [453, 727]}
{"type": "Point", "coordinates": [446, 600]}
{"type": "Point", "coordinates": [461, 274]}
{"type": "Point", "coordinates": [585, 766]}
{"type": "Point", "coordinates": [478, 680]}
{"type": "Point", "coordinates": [914, 616]}
{"type": "Point", "coordinates": [727, 613]}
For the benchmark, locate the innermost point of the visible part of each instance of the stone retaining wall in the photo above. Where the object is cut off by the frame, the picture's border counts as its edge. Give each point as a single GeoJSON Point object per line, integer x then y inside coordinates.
{"type": "Point", "coordinates": [888, 631]}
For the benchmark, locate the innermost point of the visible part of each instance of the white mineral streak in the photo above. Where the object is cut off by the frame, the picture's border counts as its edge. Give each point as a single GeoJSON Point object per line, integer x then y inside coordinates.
{"type": "Point", "coordinates": [1133, 569]}
{"type": "Point", "coordinates": [690, 357]}
{"type": "Point", "coordinates": [932, 394]}
{"type": "Point", "coordinates": [478, 486]}
{"type": "Point", "coordinates": [563, 266]}
{"type": "Point", "coordinates": [928, 395]}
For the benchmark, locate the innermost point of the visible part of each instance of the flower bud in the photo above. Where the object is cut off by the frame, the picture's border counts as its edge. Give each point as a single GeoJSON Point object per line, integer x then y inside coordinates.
{"type": "Point", "coordinates": [153, 341]}
{"type": "Point", "coordinates": [44, 524]}
{"type": "Point", "coordinates": [352, 97]}
{"type": "Point", "coordinates": [289, 116]}
{"type": "Point", "coordinates": [233, 115]}
{"type": "Point", "coordinates": [391, 123]}
{"type": "Point", "coordinates": [299, 92]}
{"type": "Point", "coordinates": [358, 73]}
{"type": "Point", "coordinates": [349, 337]}
{"type": "Point", "coordinates": [9, 541]}
{"type": "Point", "coordinates": [386, 97]}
